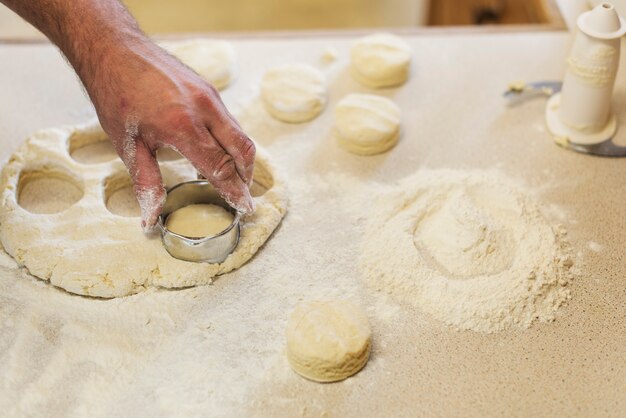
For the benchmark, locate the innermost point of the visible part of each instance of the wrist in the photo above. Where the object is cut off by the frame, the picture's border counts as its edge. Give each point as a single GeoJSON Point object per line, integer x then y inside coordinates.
{"type": "Point", "coordinates": [99, 59]}
{"type": "Point", "coordinates": [96, 36]}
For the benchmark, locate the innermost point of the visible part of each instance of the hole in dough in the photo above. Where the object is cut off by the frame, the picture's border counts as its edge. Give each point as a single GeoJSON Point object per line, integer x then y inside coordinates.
{"type": "Point", "coordinates": [168, 154]}
{"type": "Point", "coordinates": [119, 196]}
{"type": "Point", "coordinates": [91, 148]}
{"type": "Point", "coordinates": [48, 190]}
{"type": "Point", "coordinates": [262, 180]}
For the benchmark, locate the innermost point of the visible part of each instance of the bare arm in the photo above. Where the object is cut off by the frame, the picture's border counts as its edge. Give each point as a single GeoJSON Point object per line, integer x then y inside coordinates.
{"type": "Point", "coordinates": [146, 99]}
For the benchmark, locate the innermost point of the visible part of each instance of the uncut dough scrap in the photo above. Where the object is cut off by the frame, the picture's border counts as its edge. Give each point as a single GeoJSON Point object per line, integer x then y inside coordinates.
{"type": "Point", "coordinates": [86, 249]}
{"type": "Point", "coordinates": [328, 341]}
{"type": "Point", "coordinates": [215, 61]}
{"type": "Point", "coordinates": [367, 124]}
{"type": "Point", "coordinates": [381, 60]}
{"type": "Point", "coordinates": [294, 92]}
{"type": "Point", "coordinates": [472, 249]}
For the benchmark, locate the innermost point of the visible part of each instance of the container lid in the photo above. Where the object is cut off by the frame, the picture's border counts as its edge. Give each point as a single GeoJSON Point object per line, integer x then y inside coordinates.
{"type": "Point", "coordinates": [602, 22]}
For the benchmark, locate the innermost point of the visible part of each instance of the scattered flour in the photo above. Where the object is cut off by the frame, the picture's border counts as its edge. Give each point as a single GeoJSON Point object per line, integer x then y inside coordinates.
{"type": "Point", "coordinates": [129, 144]}
{"type": "Point", "coordinates": [595, 247]}
{"type": "Point", "coordinates": [472, 249]}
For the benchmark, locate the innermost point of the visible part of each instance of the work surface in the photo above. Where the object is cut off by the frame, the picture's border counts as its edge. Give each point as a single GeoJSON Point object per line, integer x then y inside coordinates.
{"type": "Point", "coordinates": [218, 350]}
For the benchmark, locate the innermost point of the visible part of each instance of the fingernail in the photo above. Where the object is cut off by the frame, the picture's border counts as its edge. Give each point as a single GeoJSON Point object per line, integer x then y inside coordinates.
{"type": "Point", "coordinates": [245, 205]}
{"type": "Point", "coordinates": [247, 201]}
{"type": "Point", "coordinates": [150, 203]}
{"type": "Point", "coordinates": [250, 206]}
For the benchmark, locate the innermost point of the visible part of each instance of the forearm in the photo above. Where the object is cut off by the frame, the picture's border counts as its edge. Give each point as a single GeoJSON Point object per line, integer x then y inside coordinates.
{"type": "Point", "coordinates": [90, 33]}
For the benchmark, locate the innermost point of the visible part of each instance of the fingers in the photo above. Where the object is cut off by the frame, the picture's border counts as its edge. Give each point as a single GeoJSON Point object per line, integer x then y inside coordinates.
{"type": "Point", "coordinates": [148, 184]}
{"type": "Point", "coordinates": [227, 132]}
{"type": "Point", "coordinates": [239, 146]}
{"type": "Point", "coordinates": [219, 168]}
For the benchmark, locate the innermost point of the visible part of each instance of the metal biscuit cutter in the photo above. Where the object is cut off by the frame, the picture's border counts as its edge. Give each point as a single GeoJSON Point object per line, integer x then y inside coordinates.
{"type": "Point", "coordinates": [211, 249]}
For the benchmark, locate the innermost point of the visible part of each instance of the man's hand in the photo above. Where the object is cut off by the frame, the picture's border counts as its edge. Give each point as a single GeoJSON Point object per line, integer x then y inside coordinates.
{"type": "Point", "coordinates": [146, 100]}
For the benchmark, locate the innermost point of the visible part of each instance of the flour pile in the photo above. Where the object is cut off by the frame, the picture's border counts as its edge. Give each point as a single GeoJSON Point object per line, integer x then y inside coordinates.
{"type": "Point", "coordinates": [470, 248]}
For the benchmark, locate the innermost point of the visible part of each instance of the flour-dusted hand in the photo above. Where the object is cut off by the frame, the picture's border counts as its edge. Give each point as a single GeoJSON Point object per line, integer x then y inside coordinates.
{"type": "Point", "coordinates": [146, 99]}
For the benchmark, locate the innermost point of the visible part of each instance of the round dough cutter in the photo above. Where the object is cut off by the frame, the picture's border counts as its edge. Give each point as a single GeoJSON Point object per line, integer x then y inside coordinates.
{"type": "Point", "coordinates": [210, 249]}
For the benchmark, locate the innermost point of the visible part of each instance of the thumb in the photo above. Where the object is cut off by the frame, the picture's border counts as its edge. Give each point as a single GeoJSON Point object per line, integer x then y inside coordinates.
{"type": "Point", "coordinates": [146, 176]}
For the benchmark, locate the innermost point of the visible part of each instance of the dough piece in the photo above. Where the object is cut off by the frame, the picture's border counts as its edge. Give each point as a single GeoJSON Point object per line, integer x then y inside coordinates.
{"type": "Point", "coordinates": [328, 341]}
{"type": "Point", "coordinates": [85, 248]}
{"type": "Point", "coordinates": [294, 92]}
{"type": "Point", "coordinates": [215, 61]}
{"type": "Point", "coordinates": [367, 124]}
{"type": "Point", "coordinates": [381, 60]}
{"type": "Point", "coordinates": [199, 220]}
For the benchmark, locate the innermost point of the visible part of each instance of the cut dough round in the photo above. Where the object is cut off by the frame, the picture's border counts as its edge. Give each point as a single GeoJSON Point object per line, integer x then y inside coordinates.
{"type": "Point", "coordinates": [294, 92]}
{"type": "Point", "coordinates": [381, 60]}
{"type": "Point", "coordinates": [88, 250]}
{"type": "Point", "coordinates": [328, 341]}
{"type": "Point", "coordinates": [199, 220]}
{"type": "Point", "coordinates": [215, 61]}
{"type": "Point", "coordinates": [367, 124]}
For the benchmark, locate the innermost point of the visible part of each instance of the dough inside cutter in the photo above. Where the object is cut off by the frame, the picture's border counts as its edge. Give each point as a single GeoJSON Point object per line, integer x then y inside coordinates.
{"type": "Point", "coordinates": [199, 220]}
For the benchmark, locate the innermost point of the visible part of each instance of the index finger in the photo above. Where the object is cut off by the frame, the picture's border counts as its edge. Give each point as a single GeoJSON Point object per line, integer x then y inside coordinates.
{"type": "Point", "coordinates": [218, 167]}
{"type": "Point", "coordinates": [228, 133]}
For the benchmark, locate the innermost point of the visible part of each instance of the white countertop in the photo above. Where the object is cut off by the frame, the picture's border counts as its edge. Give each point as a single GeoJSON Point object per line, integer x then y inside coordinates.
{"type": "Point", "coordinates": [218, 350]}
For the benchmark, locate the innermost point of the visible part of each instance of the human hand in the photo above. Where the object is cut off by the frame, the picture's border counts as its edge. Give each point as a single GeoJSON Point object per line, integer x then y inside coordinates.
{"type": "Point", "coordinates": [146, 100]}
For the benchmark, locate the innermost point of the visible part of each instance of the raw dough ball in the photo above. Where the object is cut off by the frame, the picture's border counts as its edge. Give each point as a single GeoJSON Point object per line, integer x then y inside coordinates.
{"type": "Point", "coordinates": [294, 92]}
{"type": "Point", "coordinates": [328, 341]}
{"type": "Point", "coordinates": [199, 220]}
{"type": "Point", "coordinates": [381, 60]}
{"type": "Point", "coordinates": [215, 61]}
{"type": "Point", "coordinates": [367, 124]}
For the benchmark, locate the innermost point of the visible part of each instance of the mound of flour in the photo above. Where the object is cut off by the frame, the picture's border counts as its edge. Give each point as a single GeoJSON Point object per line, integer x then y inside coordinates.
{"type": "Point", "coordinates": [472, 249]}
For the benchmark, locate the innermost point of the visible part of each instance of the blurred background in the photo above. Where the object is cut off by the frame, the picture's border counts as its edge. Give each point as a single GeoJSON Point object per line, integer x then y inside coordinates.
{"type": "Point", "coordinates": [193, 16]}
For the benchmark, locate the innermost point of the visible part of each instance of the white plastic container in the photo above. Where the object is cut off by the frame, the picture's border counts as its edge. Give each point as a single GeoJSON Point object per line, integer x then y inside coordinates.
{"type": "Point", "coordinates": [581, 113]}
